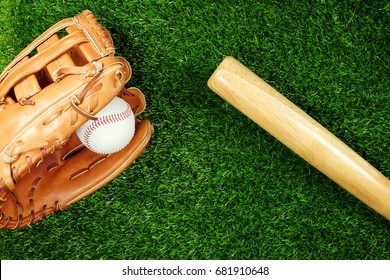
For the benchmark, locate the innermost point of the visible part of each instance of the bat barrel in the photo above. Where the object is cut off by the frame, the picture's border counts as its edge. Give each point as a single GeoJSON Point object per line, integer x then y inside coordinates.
{"type": "Point", "coordinates": [302, 134]}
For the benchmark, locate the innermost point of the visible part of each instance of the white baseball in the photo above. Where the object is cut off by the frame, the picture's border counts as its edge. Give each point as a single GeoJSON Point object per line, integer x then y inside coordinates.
{"type": "Point", "coordinates": [113, 129]}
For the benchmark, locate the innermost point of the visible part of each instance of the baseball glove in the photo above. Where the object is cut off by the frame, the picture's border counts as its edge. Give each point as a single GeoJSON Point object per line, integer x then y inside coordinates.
{"type": "Point", "coordinates": [50, 89]}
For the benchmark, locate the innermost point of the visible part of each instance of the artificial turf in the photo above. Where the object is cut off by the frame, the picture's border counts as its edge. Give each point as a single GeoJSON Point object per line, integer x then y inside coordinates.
{"type": "Point", "coordinates": [212, 184]}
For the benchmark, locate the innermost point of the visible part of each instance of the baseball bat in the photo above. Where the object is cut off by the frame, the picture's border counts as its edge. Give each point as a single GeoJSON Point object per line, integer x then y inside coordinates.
{"type": "Point", "coordinates": [302, 134]}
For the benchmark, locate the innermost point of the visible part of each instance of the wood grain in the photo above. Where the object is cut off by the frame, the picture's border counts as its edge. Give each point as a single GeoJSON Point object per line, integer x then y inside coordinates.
{"type": "Point", "coordinates": [302, 134]}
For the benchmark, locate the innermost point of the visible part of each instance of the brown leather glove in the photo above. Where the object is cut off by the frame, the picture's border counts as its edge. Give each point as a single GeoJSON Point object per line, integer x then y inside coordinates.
{"type": "Point", "coordinates": [44, 98]}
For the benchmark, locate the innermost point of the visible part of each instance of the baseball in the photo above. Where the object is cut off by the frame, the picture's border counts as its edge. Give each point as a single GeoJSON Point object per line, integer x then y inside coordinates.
{"type": "Point", "coordinates": [112, 131]}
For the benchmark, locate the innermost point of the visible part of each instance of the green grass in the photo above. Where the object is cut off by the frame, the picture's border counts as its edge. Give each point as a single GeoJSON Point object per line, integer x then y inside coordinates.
{"type": "Point", "coordinates": [212, 184]}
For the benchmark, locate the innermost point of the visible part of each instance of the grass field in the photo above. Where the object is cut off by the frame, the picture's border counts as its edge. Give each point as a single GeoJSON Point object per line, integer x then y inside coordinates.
{"type": "Point", "coordinates": [212, 184]}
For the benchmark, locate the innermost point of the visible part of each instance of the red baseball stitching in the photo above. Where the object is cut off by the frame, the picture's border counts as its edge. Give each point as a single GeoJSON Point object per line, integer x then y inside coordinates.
{"type": "Point", "coordinates": [104, 120]}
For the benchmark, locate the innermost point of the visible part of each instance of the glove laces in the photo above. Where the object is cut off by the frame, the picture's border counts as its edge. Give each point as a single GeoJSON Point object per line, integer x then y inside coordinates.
{"type": "Point", "coordinates": [44, 146]}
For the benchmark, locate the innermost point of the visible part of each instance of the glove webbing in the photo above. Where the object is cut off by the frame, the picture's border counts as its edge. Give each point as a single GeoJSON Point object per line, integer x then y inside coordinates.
{"type": "Point", "coordinates": [86, 41]}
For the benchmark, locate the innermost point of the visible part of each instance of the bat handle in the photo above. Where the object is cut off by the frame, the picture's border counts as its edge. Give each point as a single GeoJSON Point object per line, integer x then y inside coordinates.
{"type": "Point", "coordinates": [302, 134]}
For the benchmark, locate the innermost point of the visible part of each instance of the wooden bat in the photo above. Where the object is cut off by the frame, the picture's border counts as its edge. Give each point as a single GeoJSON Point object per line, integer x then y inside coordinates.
{"type": "Point", "coordinates": [302, 134]}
